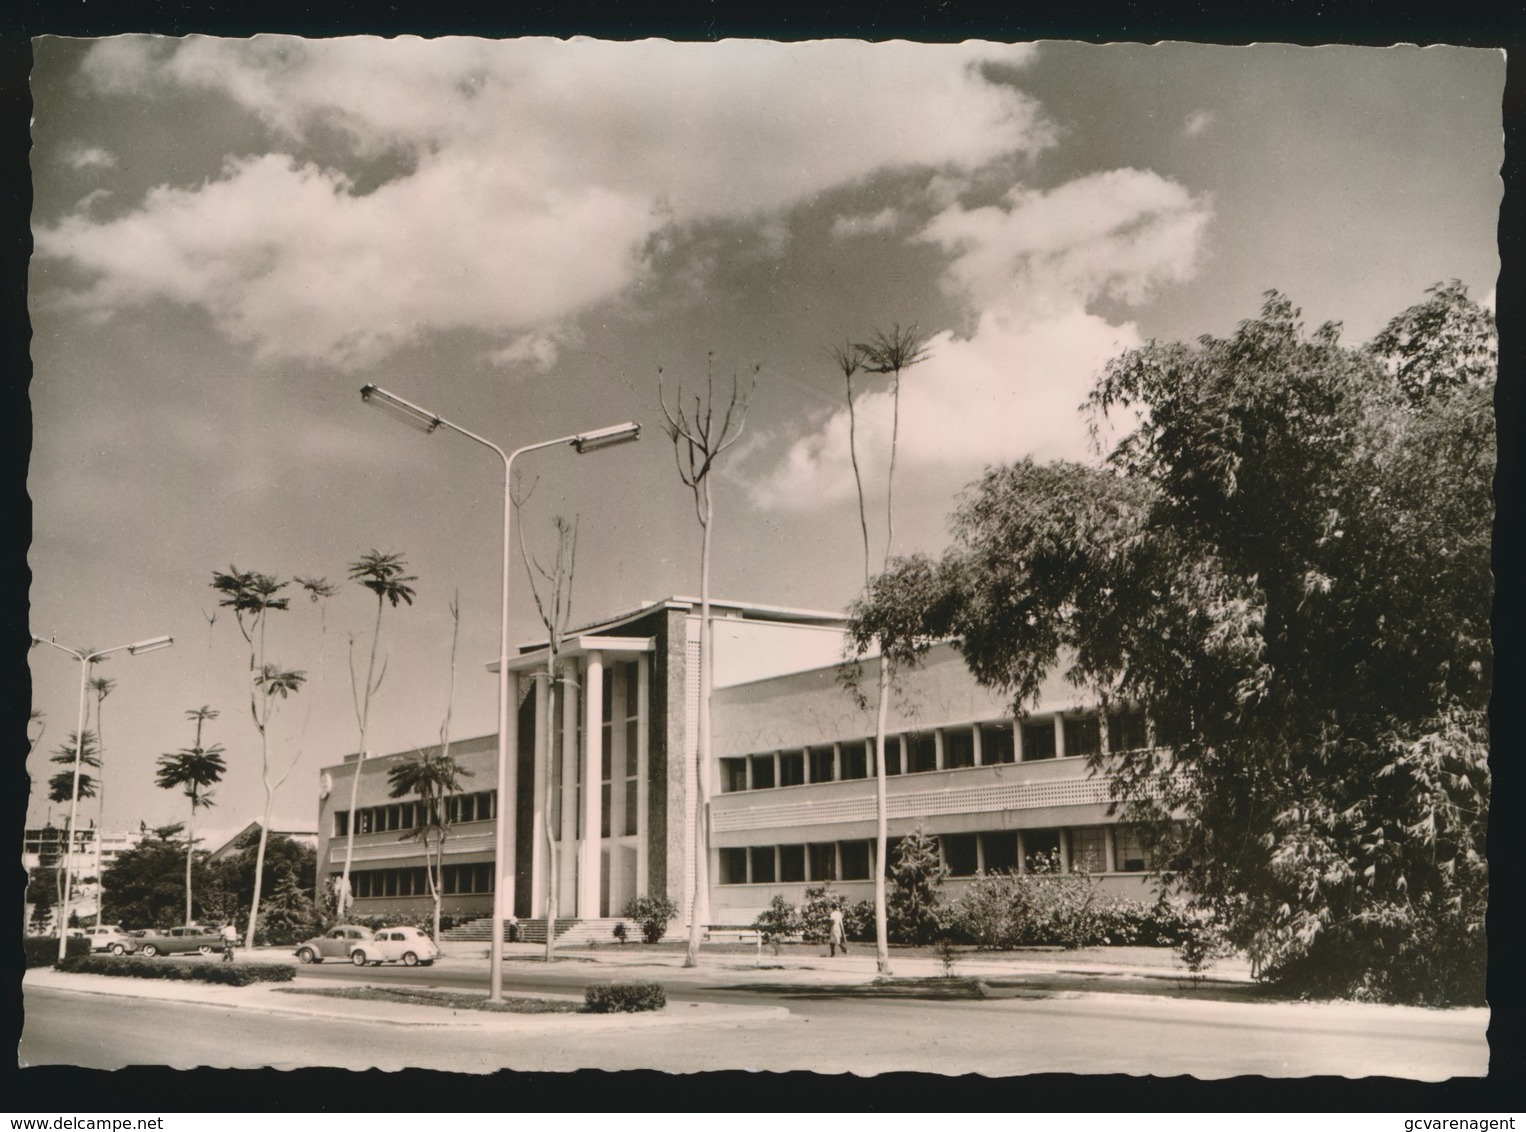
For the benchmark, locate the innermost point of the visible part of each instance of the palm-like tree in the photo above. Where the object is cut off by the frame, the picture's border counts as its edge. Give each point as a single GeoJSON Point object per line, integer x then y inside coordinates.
{"type": "Point", "coordinates": [193, 769]}
{"type": "Point", "coordinates": [61, 785]}
{"type": "Point", "coordinates": [383, 575]}
{"type": "Point", "coordinates": [252, 596]}
{"type": "Point", "coordinates": [431, 776]}
{"type": "Point", "coordinates": [888, 352]}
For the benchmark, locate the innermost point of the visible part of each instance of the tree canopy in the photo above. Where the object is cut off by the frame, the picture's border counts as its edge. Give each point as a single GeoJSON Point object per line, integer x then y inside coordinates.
{"type": "Point", "coordinates": [1286, 562]}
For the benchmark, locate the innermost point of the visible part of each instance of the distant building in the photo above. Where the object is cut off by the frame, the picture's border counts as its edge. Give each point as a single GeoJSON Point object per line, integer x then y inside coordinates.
{"type": "Point", "coordinates": [94, 851]}
{"type": "Point", "coordinates": [229, 847]}
{"type": "Point", "coordinates": [790, 784]}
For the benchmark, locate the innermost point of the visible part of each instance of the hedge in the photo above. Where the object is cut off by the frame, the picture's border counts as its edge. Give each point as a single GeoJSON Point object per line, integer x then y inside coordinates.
{"type": "Point", "coordinates": [624, 998]}
{"type": "Point", "coordinates": [42, 950]}
{"type": "Point", "coordinates": [229, 974]}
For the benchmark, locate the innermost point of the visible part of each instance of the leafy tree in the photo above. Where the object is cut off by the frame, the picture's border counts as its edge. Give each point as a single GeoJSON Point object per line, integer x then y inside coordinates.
{"type": "Point", "coordinates": [252, 597]}
{"type": "Point", "coordinates": [1287, 562]}
{"type": "Point", "coordinates": [778, 923]}
{"type": "Point", "coordinates": [384, 575]}
{"type": "Point", "coordinates": [888, 352]}
{"type": "Point", "coordinates": [652, 914]}
{"type": "Point", "coordinates": [1446, 341]}
{"type": "Point", "coordinates": [147, 881]}
{"type": "Point", "coordinates": [192, 770]}
{"type": "Point", "coordinates": [699, 440]}
{"type": "Point", "coordinates": [285, 864]}
{"type": "Point", "coordinates": [918, 879]}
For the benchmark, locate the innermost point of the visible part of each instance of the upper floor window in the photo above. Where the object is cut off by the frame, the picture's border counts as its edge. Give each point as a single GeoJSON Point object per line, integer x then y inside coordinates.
{"type": "Point", "coordinates": [996, 744]}
{"type": "Point", "coordinates": [733, 775]}
{"type": "Point", "coordinates": [958, 748]}
{"type": "Point", "coordinates": [1038, 740]}
{"type": "Point", "coordinates": [1126, 731]}
{"type": "Point", "coordinates": [1083, 737]}
{"type": "Point", "coordinates": [823, 764]}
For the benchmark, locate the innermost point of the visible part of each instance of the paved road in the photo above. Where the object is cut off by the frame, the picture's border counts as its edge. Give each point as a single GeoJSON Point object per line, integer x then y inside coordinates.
{"type": "Point", "coordinates": [827, 1032]}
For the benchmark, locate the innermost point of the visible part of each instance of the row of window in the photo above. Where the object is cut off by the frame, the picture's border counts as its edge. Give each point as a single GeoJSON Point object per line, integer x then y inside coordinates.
{"type": "Point", "coordinates": [480, 806]}
{"type": "Point", "coordinates": [946, 748]}
{"type": "Point", "coordinates": [1084, 849]}
{"type": "Point", "coordinates": [458, 880]}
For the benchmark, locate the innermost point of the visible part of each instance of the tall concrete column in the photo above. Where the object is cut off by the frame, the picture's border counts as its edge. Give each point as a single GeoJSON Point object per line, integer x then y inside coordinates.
{"type": "Point", "coordinates": [643, 764]}
{"type": "Point", "coordinates": [619, 709]}
{"type": "Point", "coordinates": [593, 777]}
{"type": "Point", "coordinates": [567, 843]}
{"type": "Point", "coordinates": [539, 865]}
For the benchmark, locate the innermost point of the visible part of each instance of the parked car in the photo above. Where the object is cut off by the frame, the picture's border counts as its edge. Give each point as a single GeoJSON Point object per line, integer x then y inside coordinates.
{"type": "Point", "coordinates": [179, 941]}
{"type": "Point", "coordinates": [405, 945]}
{"type": "Point", "coordinates": [334, 943]}
{"type": "Point", "coordinates": [112, 939]}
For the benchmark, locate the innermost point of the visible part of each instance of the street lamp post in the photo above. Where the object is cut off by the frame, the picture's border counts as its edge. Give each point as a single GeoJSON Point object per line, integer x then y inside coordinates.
{"type": "Point", "coordinates": [427, 422]}
{"type": "Point", "coordinates": [85, 661]}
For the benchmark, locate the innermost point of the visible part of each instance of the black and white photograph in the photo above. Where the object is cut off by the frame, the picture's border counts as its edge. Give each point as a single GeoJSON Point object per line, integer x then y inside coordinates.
{"type": "Point", "coordinates": [827, 557]}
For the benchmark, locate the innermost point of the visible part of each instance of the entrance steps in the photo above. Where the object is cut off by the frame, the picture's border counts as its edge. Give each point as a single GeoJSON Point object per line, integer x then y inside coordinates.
{"type": "Point", "coordinates": [569, 930]}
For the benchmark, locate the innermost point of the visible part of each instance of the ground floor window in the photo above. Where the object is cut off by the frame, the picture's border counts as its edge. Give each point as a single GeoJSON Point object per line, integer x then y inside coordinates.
{"type": "Point", "coordinates": [1000, 851]}
{"type": "Point", "coordinates": [855, 860]}
{"type": "Point", "coordinates": [733, 866]}
{"type": "Point", "coordinates": [960, 854]}
{"type": "Point", "coordinates": [1088, 850]}
{"type": "Point", "coordinates": [1134, 854]}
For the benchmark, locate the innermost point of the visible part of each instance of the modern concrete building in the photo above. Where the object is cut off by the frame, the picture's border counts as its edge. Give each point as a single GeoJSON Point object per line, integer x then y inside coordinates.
{"type": "Point", "coordinates": [790, 783]}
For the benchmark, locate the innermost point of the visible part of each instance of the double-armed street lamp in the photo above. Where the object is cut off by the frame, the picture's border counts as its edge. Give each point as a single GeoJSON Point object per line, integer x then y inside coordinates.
{"type": "Point", "coordinates": [86, 659]}
{"type": "Point", "coordinates": [425, 421]}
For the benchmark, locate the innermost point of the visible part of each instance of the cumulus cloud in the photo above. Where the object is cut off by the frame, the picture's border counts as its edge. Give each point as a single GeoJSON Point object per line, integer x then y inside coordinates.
{"type": "Point", "coordinates": [89, 157]}
{"type": "Point", "coordinates": [1029, 267]}
{"type": "Point", "coordinates": [541, 152]}
{"type": "Point", "coordinates": [1197, 122]}
{"type": "Point", "coordinates": [882, 221]}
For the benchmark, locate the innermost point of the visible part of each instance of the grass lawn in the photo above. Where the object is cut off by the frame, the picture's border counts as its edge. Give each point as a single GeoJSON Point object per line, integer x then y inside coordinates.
{"type": "Point", "coordinates": [450, 1000]}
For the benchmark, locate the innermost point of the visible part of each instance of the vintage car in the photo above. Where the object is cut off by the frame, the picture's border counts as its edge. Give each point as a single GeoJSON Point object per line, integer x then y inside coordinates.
{"type": "Point", "coordinates": [112, 939]}
{"type": "Point", "coordinates": [405, 945]}
{"type": "Point", "coordinates": [179, 941]}
{"type": "Point", "coordinates": [334, 943]}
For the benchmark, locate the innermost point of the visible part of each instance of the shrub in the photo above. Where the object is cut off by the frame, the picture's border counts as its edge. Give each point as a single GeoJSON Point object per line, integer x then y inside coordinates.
{"type": "Point", "coordinates": [1043, 906]}
{"type": "Point", "coordinates": [815, 917]}
{"type": "Point", "coordinates": [778, 922]}
{"type": "Point", "coordinates": [229, 974]}
{"type": "Point", "coordinates": [858, 921]}
{"type": "Point", "coordinates": [916, 882]}
{"type": "Point", "coordinates": [1201, 943]}
{"type": "Point", "coordinates": [42, 950]}
{"type": "Point", "coordinates": [624, 998]}
{"type": "Point", "coordinates": [652, 913]}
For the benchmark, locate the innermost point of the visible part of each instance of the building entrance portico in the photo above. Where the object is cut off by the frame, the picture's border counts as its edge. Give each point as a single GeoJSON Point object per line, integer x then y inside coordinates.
{"type": "Point", "coordinates": [588, 774]}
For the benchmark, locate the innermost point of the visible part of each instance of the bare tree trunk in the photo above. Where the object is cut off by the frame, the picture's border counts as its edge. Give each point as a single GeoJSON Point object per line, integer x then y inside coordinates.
{"type": "Point", "coordinates": [881, 840]}
{"type": "Point", "coordinates": [553, 899]}
{"type": "Point", "coordinates": [363, 710]}
{"type": "Point", "coordinates": [190, 848]}
{"type": "Point", "coordinates": [699, 906]}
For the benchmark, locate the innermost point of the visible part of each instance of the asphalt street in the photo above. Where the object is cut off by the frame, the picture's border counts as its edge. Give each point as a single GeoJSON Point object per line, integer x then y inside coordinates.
{"type": "Point", "coordinates": [730, 1015]}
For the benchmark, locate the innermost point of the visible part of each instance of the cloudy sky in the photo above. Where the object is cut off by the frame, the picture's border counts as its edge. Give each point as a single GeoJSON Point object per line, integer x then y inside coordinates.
{"type": "Point", "coordinates": [231, 237]}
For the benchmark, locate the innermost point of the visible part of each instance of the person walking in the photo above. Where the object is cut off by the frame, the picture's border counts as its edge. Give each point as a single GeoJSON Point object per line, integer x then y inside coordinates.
{"type": "Point", "coordinates": [230, 940]}
{"type": "Point", "coordinates": [836, 937]}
